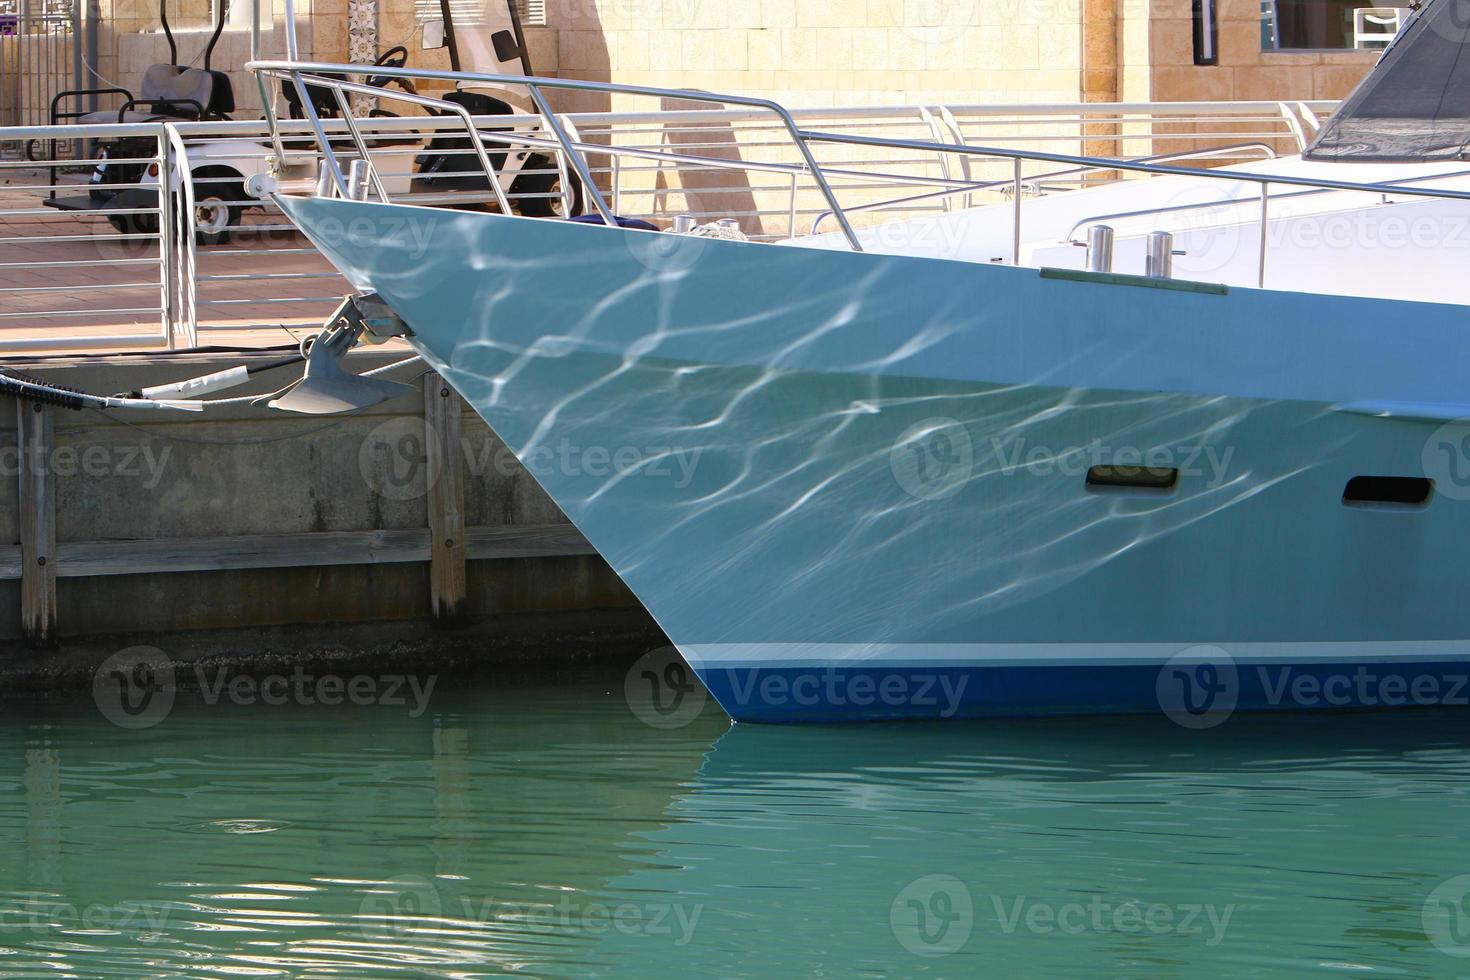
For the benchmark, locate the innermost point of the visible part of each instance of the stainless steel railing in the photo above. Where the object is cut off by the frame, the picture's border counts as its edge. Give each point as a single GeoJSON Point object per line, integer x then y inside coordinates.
{"type": "Point", "coordinates": [75, 281]}
{"type": "Point", "coordinates": [1298, 117]}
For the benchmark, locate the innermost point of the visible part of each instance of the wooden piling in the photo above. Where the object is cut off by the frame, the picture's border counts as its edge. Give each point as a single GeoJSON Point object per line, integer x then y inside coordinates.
{"type": "Point", "coordinates": [35, 429]}
{"type": "Point", "coordinates": [443, 412]}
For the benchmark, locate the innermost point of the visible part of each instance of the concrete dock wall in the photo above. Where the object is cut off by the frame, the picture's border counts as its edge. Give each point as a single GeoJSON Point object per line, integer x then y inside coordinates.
{"type": "Point", "coordinates": [248, 517]}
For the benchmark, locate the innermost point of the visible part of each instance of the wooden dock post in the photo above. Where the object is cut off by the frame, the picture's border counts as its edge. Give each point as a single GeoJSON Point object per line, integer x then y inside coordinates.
{"type": "Point", "coordinates": [443, 411]}
{"type": "Point", "coordinates": [35, 430]}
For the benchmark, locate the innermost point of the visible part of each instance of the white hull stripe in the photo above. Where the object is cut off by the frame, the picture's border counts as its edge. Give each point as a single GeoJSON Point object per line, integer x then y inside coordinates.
{"type": "Point", "coordinates": [717, 655]}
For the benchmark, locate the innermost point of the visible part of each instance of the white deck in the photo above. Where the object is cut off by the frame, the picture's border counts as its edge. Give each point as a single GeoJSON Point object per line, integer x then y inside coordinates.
{"type": "Point", "coordinates": [1341, 242]}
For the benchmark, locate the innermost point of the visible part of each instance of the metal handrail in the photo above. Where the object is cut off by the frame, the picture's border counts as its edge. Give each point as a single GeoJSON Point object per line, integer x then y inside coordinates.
{"type": "Point", "coordinates": [1223, 202]}
{"type": "Point", "coordinates": [189, 284]}
{"type": "Point", "coordinates": [1221, 151]}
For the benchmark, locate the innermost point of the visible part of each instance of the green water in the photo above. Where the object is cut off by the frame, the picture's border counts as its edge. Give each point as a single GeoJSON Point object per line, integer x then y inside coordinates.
{"type": "Point", "coordinates": [548, 831]}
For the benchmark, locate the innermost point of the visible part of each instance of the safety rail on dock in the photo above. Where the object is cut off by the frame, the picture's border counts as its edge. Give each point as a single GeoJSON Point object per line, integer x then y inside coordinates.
{"type": "Point", "coordinates": [73, 280]}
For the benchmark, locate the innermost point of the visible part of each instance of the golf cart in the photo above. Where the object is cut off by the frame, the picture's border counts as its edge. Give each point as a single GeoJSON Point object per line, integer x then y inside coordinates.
{"type": "Point", "coordinates": [488, 39]}
{"type": "Point", "coordinates": [124, 180]}
{"type": "Point", "coordinates": [226, 172]}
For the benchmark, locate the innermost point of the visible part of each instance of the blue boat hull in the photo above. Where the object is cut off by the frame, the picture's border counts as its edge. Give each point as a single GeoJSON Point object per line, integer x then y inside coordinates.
{"type": "Point", "coordinates": [877, 466]}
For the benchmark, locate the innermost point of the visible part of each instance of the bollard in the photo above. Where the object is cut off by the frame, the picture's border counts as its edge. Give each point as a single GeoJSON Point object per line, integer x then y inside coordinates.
{"type": "Point", "coordinates": [1159, 262]}
{"type": "Point", "coordinates": [1100, 248]}
{"type": "Point", "coordinates": [357, 180]}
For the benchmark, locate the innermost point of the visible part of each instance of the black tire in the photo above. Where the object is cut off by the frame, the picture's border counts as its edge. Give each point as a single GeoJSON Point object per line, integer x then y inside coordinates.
{"type": "Point", "coordinates": [547, 183]}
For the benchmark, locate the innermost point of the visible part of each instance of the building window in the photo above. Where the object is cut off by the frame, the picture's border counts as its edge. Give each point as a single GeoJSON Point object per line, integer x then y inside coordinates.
{"type": "Point", "coordinates": [531, 12]}
{"type": "Point", "coordinates": [1315, 25]}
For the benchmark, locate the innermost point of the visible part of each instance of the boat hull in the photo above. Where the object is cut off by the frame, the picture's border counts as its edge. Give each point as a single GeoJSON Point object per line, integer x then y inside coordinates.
{"type": "Point", "coordinates": [853, 486]}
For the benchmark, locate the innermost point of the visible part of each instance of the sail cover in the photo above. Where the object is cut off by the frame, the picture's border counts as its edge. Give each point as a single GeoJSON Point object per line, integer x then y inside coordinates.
{"type": "Point", "coordinates": [1415, 104]}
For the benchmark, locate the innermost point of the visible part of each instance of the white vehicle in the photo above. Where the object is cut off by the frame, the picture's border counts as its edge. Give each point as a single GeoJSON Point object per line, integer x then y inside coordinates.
{"type": "Point", "coordinates": [229, 175]}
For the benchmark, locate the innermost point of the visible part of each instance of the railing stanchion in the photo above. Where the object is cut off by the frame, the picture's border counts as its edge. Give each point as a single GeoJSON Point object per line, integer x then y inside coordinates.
{"type": "Point", "coordinates": [1261, 267]}
{"type": "Point", "coordinates": [1016, 214]}
{"type": "Point", "coordinates": [167, 273]}
{"type": "Point", "coordinates": [583, 171]}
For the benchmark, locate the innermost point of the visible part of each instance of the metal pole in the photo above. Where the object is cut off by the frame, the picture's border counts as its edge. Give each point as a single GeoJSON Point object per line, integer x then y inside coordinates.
{"type": "Point", "coordinates": [554, 124]}
{"type": "Point", "coordinates": [167, 274]}
{"type": "Point", "coordinates": [1100, 248]}
{"type": "Point", "coordinates": [76, 44]}
{"type": "Point", "coordinates": [1016, 215]}
{"type": "Point", "coordinates": [1159, 261]}
{"type": "Point", "coordinates": [94, 15]}
{"type": "Point", "coordinates": [1261, 268]}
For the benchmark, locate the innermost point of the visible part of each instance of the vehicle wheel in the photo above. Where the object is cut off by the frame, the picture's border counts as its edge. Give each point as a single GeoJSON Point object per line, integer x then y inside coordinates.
{"type": "Point", "coordinates": [548, 183]}
{"type": "Point", "coordinates": [214, 218]}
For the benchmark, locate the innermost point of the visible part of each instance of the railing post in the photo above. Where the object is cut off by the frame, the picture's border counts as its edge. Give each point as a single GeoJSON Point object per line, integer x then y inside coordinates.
{"type": "Point", "coordinates": [1159, 259]}
{"type": "Point", "coordinates": [34, 432]}
{"type": "Point", "coordinates": [443, 411]}
{"type": "Point", "coordinates": [1261, 268]}
{"type": "Point", "coordinates": [1100, 248]}
{"type": "Point", "coordinates": [168, 273]}
{"type": "Point", "coordinates": [1016, 214]}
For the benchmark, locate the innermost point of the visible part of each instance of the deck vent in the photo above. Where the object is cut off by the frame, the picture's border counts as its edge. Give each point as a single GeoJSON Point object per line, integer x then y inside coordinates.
{"type": "Point", "coordinates": [1387, 491]}
{"type": "Point", "coordinates": [1153, 478]}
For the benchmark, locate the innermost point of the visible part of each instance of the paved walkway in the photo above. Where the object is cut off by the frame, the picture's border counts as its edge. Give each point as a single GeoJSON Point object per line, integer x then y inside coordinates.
{"type": "Point", "coordinates": [66, 276]}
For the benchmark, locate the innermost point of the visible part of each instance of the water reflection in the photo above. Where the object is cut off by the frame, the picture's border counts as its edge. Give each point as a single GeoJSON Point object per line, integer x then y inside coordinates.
{"type": "Point", "coordinates": [549, 831]}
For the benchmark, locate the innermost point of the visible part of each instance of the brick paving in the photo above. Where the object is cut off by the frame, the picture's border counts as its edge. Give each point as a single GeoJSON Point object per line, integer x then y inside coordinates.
{"type": "Point", "coordinates": [74, 276]}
